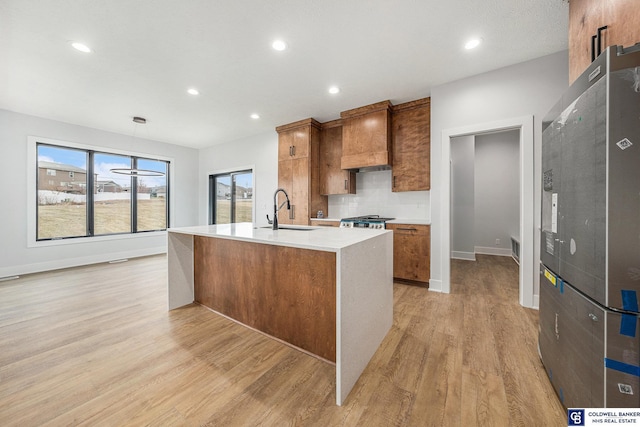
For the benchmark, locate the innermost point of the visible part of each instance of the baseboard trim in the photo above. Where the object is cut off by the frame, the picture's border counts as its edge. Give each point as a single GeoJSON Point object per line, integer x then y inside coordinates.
{"type": "Point", "coordinates": [435, 285]}
{"type": "Point", "coordinates": [467, 256]}
{"type": "Point", "coordinates": [536, 302]}
{"type": "Point", "coordinates": [79, 261]}
{"type": "Point", "coordinates": [482, 250]}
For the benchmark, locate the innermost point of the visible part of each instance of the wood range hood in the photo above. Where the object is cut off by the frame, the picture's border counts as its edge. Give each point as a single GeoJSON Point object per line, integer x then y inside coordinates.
{"type": "Point", "coordinates": [366, 137]}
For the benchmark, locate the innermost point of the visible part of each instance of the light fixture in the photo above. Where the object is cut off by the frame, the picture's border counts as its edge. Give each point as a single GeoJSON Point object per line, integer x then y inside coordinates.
{"type": "Point", "coordinates": [334, 89]}
{"type": "Point", "coordinates": [193, 91]}
{"type": "Point", "coordinates": [255, 116]}
{"type": "Point", "coordinates": [472, 44]}
{"type": "Point", "coordinates": [81, 47]}
{"type": "Point", "coordinates": [134, 171]}
{"type": "Point", "coordinates": [279, 45]}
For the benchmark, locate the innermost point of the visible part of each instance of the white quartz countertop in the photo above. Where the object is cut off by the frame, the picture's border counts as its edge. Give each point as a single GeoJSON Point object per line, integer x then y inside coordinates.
{"type": "Point", "coordinates": [329, 239]}
{"type": "Point", "coordinates": [393, 221]}
{"type": "Point", "coordinates": [410, 221]}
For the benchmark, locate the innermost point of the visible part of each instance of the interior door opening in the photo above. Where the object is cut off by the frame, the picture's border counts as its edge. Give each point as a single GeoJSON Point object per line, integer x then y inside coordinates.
{"type": "Point", "coordinates": [528, 277]}
{"type": "Point", "coordinates": [485, 201]}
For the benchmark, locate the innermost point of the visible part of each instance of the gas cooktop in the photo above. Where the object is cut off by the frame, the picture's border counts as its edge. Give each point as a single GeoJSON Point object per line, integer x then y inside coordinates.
{"type": "Point", "coordinates": [365, 221]}
{"type": "Point", "coordinates": [370, 218]}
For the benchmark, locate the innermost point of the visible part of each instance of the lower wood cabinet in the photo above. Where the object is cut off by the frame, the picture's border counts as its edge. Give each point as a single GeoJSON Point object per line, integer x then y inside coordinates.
{"type": "Point", "coordinates": [411, 252]}
{"type": "Point", "coordinates": [324, 223]}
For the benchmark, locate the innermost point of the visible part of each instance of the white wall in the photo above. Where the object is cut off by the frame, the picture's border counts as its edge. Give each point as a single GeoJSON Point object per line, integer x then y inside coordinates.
{"type": "Point", "coordinates": [259, 152]}
{"type": "Point", "coordinates": [373, 189]}
{"type": "Point", "coordinates": [16, 257]}
{"type": "Point", "coordinates": [497, 191]}
{"type": "Point", "coordinates": [463, 197]}
{"type": "Point", "coordinates": [529, 88]}
{"type": "Point", "coordinates": [374, 197]}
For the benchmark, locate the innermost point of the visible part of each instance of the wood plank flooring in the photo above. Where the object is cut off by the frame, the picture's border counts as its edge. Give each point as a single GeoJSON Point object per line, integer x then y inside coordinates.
{"type": "Point", "coordinates": [96, 346]}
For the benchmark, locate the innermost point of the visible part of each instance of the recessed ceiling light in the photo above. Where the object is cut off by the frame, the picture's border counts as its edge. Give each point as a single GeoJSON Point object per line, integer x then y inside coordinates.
{"type": "Point", "coordinates": [334, 89]}
{"type": "Point", "coordinates": [255, 116]}
{"type": "Point", "coordinates": [472, 44]}
{"type": "Point", "coordinates": [81, 47]}
{"type": "Point", "coordinates": [193, 91]}
{"type": "Point", "coordinates": [279, 45]}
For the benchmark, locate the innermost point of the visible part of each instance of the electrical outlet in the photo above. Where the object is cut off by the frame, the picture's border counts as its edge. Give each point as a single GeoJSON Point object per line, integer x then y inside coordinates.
{"type": "Point", "coordinates": [497, 242]}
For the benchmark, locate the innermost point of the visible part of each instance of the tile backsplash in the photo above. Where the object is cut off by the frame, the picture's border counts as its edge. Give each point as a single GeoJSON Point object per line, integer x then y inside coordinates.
{"type": "Point", "coordinates": [374, 197]}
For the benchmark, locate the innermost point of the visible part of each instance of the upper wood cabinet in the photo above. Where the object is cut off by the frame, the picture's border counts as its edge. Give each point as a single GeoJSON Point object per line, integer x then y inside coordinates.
{"type": "Point", "coordinates": [411, 141]}
{"type": "Point", "coordinates": [293, 140]}
{"type": "Point", "coordinates": [366, 136]}
{"type": "Point", "coordinates": [333, 179]}
{"type": "Point", "coordinates": [622, 18]}
{"type": "Point", "coordinates": [298, 171]}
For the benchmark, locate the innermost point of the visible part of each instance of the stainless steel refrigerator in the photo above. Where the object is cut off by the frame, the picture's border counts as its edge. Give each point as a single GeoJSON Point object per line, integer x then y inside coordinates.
{"type": "Point", "coordinates": [589, 338]}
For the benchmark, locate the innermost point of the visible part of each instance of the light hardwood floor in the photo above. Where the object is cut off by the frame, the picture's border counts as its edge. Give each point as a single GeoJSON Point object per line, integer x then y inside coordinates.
{"type": "Point", "coordinates": [96, 346]}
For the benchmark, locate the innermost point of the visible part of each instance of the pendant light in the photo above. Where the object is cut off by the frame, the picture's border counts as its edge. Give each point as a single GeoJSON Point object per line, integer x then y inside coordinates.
{"type": "Point", "coordinates": [135, 171]}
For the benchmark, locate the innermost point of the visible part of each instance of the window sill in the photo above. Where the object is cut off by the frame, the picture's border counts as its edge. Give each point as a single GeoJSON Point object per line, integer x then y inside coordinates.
{"type": "Point", "coordinates": [94, 239]}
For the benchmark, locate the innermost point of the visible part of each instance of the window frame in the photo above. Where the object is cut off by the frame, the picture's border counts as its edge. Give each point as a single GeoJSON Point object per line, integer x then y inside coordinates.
{"type": "Point", "coordinates": [213, 191]}
{"type": "Point", "coordinates": [32, 193]}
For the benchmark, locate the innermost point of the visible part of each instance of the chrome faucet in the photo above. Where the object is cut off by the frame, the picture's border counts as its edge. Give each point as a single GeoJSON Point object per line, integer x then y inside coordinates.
{"type": "Point", "coordinates": [276, 208]}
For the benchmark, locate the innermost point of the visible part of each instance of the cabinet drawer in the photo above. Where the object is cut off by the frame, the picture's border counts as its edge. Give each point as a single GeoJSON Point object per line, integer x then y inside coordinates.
{"type": "Point", "coordinates": [417, 229]}
{"type": "Point", "coordinates": [317, 223]}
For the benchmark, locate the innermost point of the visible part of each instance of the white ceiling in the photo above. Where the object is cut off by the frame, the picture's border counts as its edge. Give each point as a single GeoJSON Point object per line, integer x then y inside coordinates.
{"type": "Point", "coordinates": [148, 52]}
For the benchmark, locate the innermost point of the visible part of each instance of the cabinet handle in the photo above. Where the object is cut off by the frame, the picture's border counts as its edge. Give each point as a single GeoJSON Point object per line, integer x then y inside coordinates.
{"type": "Point", "coordinates": [394, 181]}
{"type": "Point", "coordinates": [407, 229]}
{"type": "Point", "coordinates": [291, 151]}
{"type": "Point", "coordinates": [596, 39]}
{"type": "Point", "coordinates": [345, 184]}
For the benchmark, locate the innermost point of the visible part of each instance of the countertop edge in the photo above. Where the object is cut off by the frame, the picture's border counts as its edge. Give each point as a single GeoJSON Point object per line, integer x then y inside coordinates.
{"type": "Point", "coordinates": [336, 247]}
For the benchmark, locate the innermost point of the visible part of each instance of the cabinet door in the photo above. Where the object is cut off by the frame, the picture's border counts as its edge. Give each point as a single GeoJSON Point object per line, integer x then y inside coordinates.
{"type": "Point", "coordinates": [333, 179]}
{"type": "Point", "coordinates": [411, 257]}
{"type": "Point", "coordinates": [411, 146]}
{"type": "Point", "coordinates": [285, 181]}
{"type": "Point", "coordinates": [293, 177]}
{"type": "Point", "coordinates": [622, 18]}
{"type": "Point", "coordinates": [293, 144]}
{"type": "Point", "coordinates": [300, 191]}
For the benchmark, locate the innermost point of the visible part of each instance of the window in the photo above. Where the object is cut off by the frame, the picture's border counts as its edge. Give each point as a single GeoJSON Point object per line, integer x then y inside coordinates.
{"type": "Point", "coordinates": [152, 196]}
{"type": "Point", "coordinates": [112, 209]}
{"type": "Point", "coordinates": [97, 201]}
{"type": "Point", "coordinates": [231, 197]}
{"type": "Point", "coordinates": [61, 211]}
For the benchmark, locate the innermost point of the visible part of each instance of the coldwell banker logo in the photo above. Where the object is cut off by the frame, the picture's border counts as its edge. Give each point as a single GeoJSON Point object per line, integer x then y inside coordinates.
{"type": "Point", "coordinates": [576, 417]}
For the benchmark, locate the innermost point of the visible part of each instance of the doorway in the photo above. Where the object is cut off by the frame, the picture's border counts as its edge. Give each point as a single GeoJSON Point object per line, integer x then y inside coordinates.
{"type": "Point", "coordinates": [485, 202]}
{"type": "Point", "coordinates": [526, 203]}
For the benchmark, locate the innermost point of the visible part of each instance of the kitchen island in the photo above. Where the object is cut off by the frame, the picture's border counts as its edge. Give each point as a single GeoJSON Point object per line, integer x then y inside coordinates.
{"type": "Point", "coordinates": [327, 291]}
